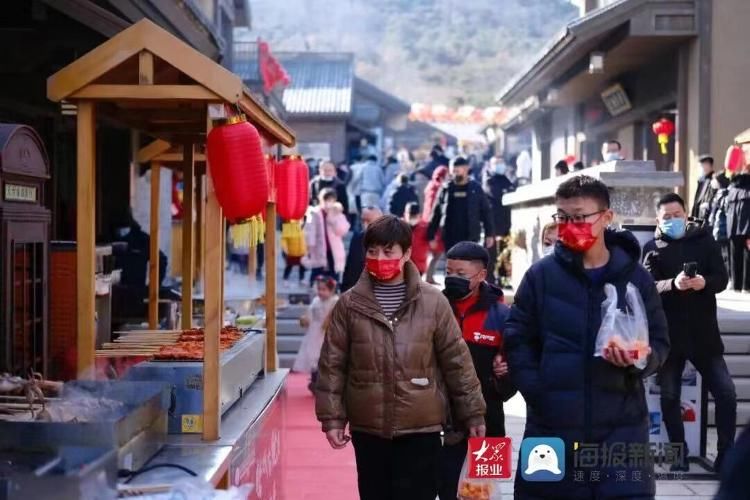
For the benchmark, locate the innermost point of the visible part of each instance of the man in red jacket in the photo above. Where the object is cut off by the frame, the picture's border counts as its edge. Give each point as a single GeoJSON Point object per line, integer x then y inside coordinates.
{"type": "Point", "coordinates": [481, 314]}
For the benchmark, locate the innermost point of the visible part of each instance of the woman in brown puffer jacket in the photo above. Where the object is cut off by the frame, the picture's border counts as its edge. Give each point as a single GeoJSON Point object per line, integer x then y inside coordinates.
{"type": "Point", "coordinates": [388, 366]}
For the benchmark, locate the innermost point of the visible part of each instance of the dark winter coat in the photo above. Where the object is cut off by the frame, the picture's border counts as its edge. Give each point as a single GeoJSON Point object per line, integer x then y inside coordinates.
{"type": "Point", "coordinates": [704, 193]}
{"type": "Point", "coordinates": [549, 342]}
{"type": "Point", "coordinates": [495, 187]}
{"type": "Point", "coordinates": [399, 198]}
{"type": "Point", "coordinates": [738, 206]}
{"type": "Point", "coordinates": [691, 315]}
{"type": "Point", "coordinates": [355, 261]}
{"type": "Point", "coordinates": [482, 328]}
{"type": "Point", "coordinates": [735, 481]}
{"type": "Point", "coordinates": [452, 224]}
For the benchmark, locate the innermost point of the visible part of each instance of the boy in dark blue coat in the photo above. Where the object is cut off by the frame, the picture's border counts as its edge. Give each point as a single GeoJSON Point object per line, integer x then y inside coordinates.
{"type": "Point", "coordinates": [549, 341]}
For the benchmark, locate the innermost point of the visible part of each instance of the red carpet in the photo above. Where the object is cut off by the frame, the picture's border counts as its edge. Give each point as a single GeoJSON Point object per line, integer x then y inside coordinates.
{"type": "Point", "coordinates": [312, 469]}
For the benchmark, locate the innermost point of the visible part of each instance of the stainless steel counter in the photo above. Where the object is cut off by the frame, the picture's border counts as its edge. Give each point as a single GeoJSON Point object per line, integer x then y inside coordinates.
{"type": "Point", "coordinates": [211, 460]}
{"type": "Point", "coordinates": [208, 461]}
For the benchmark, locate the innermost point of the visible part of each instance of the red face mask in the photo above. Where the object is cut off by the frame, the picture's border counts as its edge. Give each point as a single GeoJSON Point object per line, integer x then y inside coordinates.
{"type": "Point", "coordinates": [577, 237]}
{"type": "Point", "coordinates": [383, 269]}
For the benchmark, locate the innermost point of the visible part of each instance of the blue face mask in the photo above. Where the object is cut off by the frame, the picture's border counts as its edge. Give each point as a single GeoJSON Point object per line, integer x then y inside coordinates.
{"type": "Point", "coordinates": [673, 228]}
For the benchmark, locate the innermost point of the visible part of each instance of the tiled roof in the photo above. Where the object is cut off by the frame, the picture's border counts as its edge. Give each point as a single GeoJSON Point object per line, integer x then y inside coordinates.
{"type": "Point", "coordinates": [321, 83]}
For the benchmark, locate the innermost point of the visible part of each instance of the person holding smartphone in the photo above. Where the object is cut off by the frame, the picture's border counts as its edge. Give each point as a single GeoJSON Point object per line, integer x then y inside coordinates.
{"type": "Point", "coordinates": [689, 271]}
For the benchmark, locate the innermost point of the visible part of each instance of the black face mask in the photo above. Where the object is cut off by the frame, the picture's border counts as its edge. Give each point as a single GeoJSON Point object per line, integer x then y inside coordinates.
{"type": "Point", "coordinates": [457, 287]}
{"type": "Point", "coordinates": [459, 179]}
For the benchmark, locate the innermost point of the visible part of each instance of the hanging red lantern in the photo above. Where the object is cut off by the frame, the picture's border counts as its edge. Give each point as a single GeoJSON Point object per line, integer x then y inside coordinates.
{"type": "Point", "coordinates": [238, 171]}
{"type": "Point", "coordinates": [292, 179]}
{"type": "Point", "coordinates": [734, 159]}
{"type": "Point", "coordinates": [237, 168]}
{"type": "Point", "coordinates": [663, 129]}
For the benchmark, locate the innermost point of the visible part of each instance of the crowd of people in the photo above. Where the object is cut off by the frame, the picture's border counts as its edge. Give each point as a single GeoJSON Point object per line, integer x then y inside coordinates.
{"type": "Point", "coordinates": [413, 370]}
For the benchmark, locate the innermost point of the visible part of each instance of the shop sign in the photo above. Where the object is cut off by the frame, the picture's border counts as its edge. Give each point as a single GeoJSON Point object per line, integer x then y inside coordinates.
{"type": "Point", "coordinates": [256, 458]}
{"type": "Point", "coordinates": [19, 192]}
{"type": "Point", "coordinates": [616, 100]}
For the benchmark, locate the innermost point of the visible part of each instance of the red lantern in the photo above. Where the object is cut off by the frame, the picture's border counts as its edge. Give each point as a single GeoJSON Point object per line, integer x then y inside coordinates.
{"type": "Point", "coordinates": [237, 168]}
{"type": "Point", "coordinates": [292, 179]}
{"type": "Point", "coordinates": [734, 159]}
{"type": "Point", "coordinates": [663, 129]}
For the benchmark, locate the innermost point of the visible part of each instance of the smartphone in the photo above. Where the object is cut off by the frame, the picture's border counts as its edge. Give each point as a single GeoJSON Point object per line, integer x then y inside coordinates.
{"type": "Point", "coordinates": [690, 269]}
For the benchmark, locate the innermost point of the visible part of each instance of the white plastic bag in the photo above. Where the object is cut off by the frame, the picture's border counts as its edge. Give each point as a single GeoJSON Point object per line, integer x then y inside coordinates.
{"type": "Point", "coordinates": [477, 489]}
{"type": "Point", "coordinates": [626, 329]}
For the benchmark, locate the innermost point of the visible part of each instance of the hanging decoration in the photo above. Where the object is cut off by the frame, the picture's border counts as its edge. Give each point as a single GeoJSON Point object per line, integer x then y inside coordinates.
{"type": "Point", "coordinates": [663, 129]}
{"type": "Point", "coordinates": [240, 178]}
{"type": "Point", "coordinates": [292, 179]}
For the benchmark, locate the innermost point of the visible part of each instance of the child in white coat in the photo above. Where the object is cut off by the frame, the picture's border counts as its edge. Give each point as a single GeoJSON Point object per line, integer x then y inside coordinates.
{"type": "Point", "coordinates": [314, 320]}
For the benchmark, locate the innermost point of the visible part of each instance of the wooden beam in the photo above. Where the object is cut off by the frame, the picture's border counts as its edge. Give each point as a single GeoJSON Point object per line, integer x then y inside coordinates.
{"type": "Point", "coordinates": [214, 313]}
{"type": "Point", "coordinates": [188, 183]}
{"type": "Point", "coordinates": [145, 68]}
{"type": "Point", "coordinates": [144, 35]}
{"type": "Point", "coordinates": [259, 115]}
{"type": "Point", "coordinates": [86, 238]}
{"type": "Point", "coordinates": [154, 149]}
{"type": "Point", "coordinates": [178, 158]}
{"type": "Point", "coordinates": [153, 260]}
{"type": "Point", "coordinates": [270, 247]}
{"type": "Point", "coordinates": [146, 92]}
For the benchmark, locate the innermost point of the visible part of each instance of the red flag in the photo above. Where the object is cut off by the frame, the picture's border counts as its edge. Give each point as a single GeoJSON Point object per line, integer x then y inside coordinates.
{"type": "Point", "coordinates": [271, 71]}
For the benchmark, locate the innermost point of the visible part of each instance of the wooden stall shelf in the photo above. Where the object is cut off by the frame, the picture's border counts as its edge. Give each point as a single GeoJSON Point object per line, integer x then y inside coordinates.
{"type": "Point", "coordinates": [175, 87]}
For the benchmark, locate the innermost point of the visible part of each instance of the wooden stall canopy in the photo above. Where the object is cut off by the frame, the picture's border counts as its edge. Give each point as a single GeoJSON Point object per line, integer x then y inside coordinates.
{"type": "Point", "coordinates": [148, 80]}
{"type": "Point", "coordinates": [173, 73]}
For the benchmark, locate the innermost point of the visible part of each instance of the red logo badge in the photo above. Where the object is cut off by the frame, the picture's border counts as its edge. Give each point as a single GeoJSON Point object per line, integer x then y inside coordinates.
{"type": "Point", "coordinates": [490, 458]}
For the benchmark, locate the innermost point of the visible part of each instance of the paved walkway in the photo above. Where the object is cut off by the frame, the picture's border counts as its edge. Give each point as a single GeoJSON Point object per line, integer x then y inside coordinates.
{"type": "Point", "coordinates": [314, 471]}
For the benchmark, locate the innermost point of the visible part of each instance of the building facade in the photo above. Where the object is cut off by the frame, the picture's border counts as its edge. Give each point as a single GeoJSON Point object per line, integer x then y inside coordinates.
{"type": "Point", "coordinates": [624, 65]}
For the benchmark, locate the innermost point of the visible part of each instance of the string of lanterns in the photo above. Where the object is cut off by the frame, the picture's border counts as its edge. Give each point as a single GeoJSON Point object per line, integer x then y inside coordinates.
{"type": "Point", "coordinates": [245, 180]}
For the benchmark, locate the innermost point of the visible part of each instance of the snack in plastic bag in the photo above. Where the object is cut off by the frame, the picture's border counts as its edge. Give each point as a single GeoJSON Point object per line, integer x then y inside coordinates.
{"type": "Point", "coordinates": [476, 489]}
{"type": "Point", "coordinates": [625, 329]}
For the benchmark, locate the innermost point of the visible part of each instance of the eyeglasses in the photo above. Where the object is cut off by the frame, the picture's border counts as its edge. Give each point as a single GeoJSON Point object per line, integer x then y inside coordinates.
{"type": "Point", "coordinates": [575, 219]}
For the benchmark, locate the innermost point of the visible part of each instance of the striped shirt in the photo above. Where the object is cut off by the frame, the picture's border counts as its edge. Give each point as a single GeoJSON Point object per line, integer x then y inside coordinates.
{"type": "Point", "coordinates": [390, 297]}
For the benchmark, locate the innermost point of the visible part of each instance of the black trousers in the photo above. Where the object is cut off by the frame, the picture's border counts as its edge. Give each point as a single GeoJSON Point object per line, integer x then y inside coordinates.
{"type": "Point", "coordinates": [740, 263]}
{"type": "Point", "coordinates": [716, 376]}
{"type": "Point", "coordinates": [402, 468]}
{"type": "Point", "coordinates": [452, 458]}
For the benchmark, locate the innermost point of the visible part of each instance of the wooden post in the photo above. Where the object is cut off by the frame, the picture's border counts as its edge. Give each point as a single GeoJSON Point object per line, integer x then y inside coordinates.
{"type": "Point", "coordinates": [188, 180]}
{"type": "Point", "coordinates": [153, 260]}
{"type": "Point", "coordinates": [145, 68]}
{"type": "Point", "coordinates": [214, 312]}
{"type": "Point", "coordinates": [200, 204]}
{"type": "Point", "coordinates": [86, 238]}
{"type": "Point", "coordinates": [271, 267]}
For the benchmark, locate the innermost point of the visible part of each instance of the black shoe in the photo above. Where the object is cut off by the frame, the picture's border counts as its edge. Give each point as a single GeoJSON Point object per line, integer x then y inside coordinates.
{"type": "Point", "coordinates": [680, 467]}
{"type": "Point", "coordinates": [719, 461]}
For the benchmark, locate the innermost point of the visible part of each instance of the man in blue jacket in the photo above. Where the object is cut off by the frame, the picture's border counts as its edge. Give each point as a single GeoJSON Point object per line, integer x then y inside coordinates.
{"type": "Point", "coordinates": [586, 401]}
